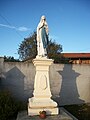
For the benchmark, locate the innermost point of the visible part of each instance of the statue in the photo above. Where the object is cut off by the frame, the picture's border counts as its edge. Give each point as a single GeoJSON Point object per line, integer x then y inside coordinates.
{"type": "Point", "coordinates": [42, 95]}
{"type": "Point", "coordinates": [42, 37]}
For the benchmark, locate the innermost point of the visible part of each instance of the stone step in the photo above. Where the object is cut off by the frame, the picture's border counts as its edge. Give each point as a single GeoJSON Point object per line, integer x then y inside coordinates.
{"type": "Point", "coordinates": [63, 115]}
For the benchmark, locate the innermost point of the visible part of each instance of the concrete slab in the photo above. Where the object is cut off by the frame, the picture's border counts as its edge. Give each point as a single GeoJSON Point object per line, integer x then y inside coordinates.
{"type": "Point", "coordinates": [64, 115]}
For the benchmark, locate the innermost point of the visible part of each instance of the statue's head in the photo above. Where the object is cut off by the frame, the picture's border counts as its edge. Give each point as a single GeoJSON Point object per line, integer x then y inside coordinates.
{"type": "Point", "coordinates": [43, 18]}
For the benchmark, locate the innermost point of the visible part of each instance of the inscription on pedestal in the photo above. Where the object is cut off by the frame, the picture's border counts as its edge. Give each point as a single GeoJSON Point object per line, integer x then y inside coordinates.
{"type": "Point", "coordinates": [43, 82]}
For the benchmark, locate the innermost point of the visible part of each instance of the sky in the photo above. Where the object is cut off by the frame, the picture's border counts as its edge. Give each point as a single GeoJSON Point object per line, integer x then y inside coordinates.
{"type": "Point", "coordinates": [68, 21]}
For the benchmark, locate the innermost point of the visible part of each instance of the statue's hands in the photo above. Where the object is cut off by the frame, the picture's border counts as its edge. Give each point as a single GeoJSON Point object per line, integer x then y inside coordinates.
{"type": "Point", "coordinates": [43, 24]}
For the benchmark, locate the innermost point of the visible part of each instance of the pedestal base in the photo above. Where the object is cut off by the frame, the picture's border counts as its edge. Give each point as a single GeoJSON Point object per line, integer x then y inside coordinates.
{"type": "Point", "coordinates": [49, 111]}
{"type": "Point", "coordinates": [37, 105]}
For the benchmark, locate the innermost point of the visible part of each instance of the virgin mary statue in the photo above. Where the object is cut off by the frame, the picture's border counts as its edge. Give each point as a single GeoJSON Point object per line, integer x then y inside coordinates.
{"type": "Point", "coordinates": [42, 37]}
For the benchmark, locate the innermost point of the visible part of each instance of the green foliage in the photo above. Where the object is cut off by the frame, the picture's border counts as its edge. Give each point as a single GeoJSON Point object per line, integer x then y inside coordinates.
{"type": "Point", "coordinates": [27, 48]}
{"type": "Point", "coordinates": [54, 52]}
{"type": "Point", "coordinates": [81, 112]}
{"type": "Point", "coordinates": [54, 48]}
{"type": "Point", "coordinates": [10, 59]}
{"type": "Point", "coordinates": [9, 107]}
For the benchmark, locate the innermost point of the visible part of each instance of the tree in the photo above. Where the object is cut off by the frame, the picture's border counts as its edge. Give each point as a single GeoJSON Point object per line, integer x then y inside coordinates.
{"type": "Point", "coordinates": [10, 59]}
{"type": "Point", "coordinates": [28, 48]}
{"type": "Point", "coordinates": [54, 51]}
{"type": "Point", "coordinates": [54, 48]}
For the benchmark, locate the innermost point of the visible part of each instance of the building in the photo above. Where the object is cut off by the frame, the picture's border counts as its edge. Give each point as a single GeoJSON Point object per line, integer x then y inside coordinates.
{"type": "Point", "coordinates": [78, 58]}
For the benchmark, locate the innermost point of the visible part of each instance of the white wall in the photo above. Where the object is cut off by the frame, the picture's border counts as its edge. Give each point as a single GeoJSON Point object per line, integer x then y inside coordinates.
{"type": "Point", "coordinates": [70, 84]}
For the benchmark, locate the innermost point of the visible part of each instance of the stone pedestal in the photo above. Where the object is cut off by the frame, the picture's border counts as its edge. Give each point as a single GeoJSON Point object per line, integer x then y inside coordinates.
{"type": "Point", "coordinates": [42, 94]}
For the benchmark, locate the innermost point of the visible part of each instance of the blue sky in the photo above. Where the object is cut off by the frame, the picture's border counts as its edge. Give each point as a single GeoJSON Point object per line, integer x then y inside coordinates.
{"type": "Point", "coordinates": [68, 21]}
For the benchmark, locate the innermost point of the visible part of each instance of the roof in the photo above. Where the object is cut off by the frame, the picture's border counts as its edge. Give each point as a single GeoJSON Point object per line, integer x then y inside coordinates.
{"type": "Point", "coordinates": [76, 55]}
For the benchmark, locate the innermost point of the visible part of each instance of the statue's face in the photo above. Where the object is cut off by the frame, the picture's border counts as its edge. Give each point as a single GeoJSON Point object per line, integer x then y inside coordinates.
{"type": "Point", "coordinates": [43, 18]}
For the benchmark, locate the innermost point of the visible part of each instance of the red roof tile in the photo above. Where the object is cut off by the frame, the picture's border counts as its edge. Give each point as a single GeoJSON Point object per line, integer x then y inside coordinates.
{"type": "Point", "coordinates": [76, 55]}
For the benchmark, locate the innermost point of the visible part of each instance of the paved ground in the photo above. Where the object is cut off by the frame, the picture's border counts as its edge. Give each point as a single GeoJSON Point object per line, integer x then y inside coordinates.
{"type": "Point", "coordinates": [64, 115]}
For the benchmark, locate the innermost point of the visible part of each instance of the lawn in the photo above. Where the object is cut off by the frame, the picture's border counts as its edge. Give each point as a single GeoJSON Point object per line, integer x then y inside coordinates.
{"type": "Point", "coordinates": [9, 107]}
{"type": "Point", "coordinates": [81, 112]}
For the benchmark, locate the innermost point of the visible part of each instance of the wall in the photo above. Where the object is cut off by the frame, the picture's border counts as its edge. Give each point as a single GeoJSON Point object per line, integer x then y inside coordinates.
{"type": "Point", "coordinates": [70, 84]}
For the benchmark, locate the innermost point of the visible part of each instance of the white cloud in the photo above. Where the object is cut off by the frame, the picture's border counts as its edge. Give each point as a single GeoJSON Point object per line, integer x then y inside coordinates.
{"type": "Point", "coordinates": [8, 26]}
{"type": "Point", "coordinates": [22, 28]}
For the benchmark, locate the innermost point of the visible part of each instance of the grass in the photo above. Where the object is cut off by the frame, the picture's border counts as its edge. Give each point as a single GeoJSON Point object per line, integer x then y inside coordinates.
{"type": "Point", "coordinates": [9, 107]}
{"type": "Point", "coordinates": [81, 112]}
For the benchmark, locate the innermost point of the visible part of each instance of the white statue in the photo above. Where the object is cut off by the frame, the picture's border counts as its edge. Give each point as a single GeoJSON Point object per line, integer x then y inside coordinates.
{"type": "Point", "coordinates": [42, 37]}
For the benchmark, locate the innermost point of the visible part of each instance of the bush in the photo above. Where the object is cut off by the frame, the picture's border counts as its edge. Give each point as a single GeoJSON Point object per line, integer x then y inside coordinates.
{"type": "Point", "coordinates": [82, 112]}
{"type": "Point", "coordinates": [7, 106]}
